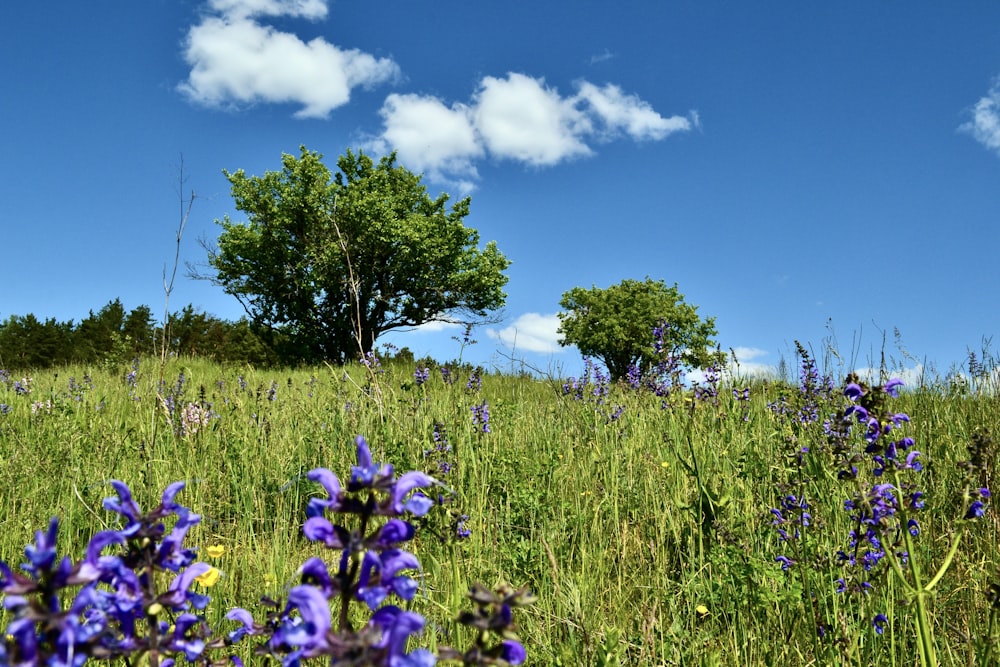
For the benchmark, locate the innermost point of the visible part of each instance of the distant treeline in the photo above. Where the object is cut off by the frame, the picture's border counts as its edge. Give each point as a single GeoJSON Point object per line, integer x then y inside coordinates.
{"type": "Point", "coordinates": [114, 335]}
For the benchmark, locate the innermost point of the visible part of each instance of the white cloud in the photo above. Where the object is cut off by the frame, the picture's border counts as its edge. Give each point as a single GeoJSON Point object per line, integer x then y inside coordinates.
{"type": "Point", "coordinates": [601, 57]}
{"type": "Point", "coordinates": [519, 118]}
{"type": "Point", "coordinates": [695, 118]}
{"type": "Point", "coordinates": [985, 124]}
{"type": "Point", "coordinates": [309, 9]}
{"type": "Point", "coordinates": [741, 369]}
{"type": "Point", "coordinates": [532, 332]}
{"type": "Point", "coordinates": [235, 60]}
{"type": "Point", "coordinates": [437, 326]}
{"type": "Point", "coordinates": [744, 366]}
{"type": "Point", "coordinates": [431, 137]}
{"type": "Point", "coordinates": [620, 112]}
{"type": "Point", "coordinates": [515, 118]}
{"type": "Point", "coordinates": [743, 354]}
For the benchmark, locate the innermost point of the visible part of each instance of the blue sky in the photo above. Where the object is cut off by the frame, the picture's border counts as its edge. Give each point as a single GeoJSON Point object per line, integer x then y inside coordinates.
{"type": "Point", "coordinates": [798, 170]}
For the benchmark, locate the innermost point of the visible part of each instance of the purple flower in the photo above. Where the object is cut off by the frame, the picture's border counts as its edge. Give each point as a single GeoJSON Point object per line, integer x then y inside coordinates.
{"type": "Point", "coordinates": [372, 362]}
{"type": "Point", "coordinates": [859, 412]}
{"type": "Point", "coordinates": [976, 510]}
{"type": "Point", "coordinates": [633, 376]}
{"type": "Point", "coordinates": [366, 474]}
{"type": "Point", "coordinates": [397, 626]}
{"type": "Point", "coordinates": [513, 652]}
{"type": "Point", "coordinates": [892, 387]}
{"type": "Point", "coordinates": [418, 504]}
{"type": "Point", "coordinates": [879, 623]}
{"type": "Point", "coordinates": [94, 565]}
{"type": "Point", "coordinates": [393, 532]}
{"type": "Point", "coordinates": [314, 573]}
{"type": "Point", "coordinates": [192, 647]}
{"type": "Point", "coordinates": [177, 593]}
{"type": "Point", "coordinates": [851, 473]}
{"type": "Point", "coordinates": [379, 576]}
{"type": "Point", "coordinates": [123, 503]}
{"type": "Point", "coordinates": [319, 529]}
{"type": "Point", "coordinates": [42, 554]}
{"type": "Point", "coordinates": [475, 382]}
{"type": "Point", "coordinates": [22, 632]}
{"type": "Point", "coordinates": [248, 625]}
{"type": "Point", "coordinates": [329, 481]}
{"type": "Point", "coordinates": [853, 391]}
{"type": "Point", "coordinates": [912, 463]}
{"type": "Point", "coordinates": [481, 417]}
{"type": "Point", "coordinates": [461, 529]}
{"type": "Point", "coordinates": [171, 555]}
{"type": "Point", "coordinates": [978, 507]}
{"type": "Point", "coordinates": [314, 612]}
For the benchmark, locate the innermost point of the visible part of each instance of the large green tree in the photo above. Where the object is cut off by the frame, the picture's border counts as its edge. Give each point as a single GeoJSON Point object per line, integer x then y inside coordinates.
{"type": "Point", "coordinates": [329, 263]}
{"type": "Point", "coordinates": [616, 325]}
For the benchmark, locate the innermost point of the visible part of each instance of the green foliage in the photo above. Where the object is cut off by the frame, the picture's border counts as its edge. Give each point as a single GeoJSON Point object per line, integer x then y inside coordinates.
{"type": "Point", "coordinates": [332, 263]}
{"type": "Point", "coordinates": [113, 337]}
{"type": "Point", "coordinates": [616, 325]}
{"type": "Point", "coordinates": [26, 342]}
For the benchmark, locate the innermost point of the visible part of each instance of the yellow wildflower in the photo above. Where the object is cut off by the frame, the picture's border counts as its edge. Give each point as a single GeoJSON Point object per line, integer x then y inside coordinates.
{"type": "Point", "coordinates": [210, 578]}
{"type": "Point", "coordinates": [216, 550]}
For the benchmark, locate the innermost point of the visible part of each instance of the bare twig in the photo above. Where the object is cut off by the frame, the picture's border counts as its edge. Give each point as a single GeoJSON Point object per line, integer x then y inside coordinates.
{"type": "Point", "coordinates": [358, 330]}
{"type": "Point", "coordinates": [168, 286]}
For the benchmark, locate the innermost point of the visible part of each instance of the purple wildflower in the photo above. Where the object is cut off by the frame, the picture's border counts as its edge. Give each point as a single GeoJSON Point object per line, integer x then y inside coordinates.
{"type": "Point", "coordinates": [481, 417]}
{"type": "Point", "coordinates": [976, 510]}
{"type": "Point", "coordinates": [475, 382]}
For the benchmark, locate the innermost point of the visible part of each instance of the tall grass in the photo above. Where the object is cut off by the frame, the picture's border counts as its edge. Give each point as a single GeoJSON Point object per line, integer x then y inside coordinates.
{"type": "Point", "coordinates": [646, 535]}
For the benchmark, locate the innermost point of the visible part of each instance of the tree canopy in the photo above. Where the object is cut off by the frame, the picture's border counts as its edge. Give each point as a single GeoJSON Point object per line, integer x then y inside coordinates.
{"type": "Point", "coordinates": [113, 336]}
{"type": "Point", "coordinates": [330, 263]}
{"type": "Point", "coordinates": [616, 325]}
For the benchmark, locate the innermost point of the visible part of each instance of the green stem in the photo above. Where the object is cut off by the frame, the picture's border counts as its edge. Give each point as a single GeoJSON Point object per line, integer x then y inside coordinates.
{"type": "Point", "coordinates": [990, 638]}
{"type": "Point", "coordinates": [801, 549]}
{"type": "Point", "coordinates": [153, 610]}
{"type": "Point", "coordinates": [925, 631]}
{"type": "Point", "coordinates": [945, 565]}
{"type": "Point", "coordinates": [349, 585]}
{"type": "Point", "coordinates": [702, 497]}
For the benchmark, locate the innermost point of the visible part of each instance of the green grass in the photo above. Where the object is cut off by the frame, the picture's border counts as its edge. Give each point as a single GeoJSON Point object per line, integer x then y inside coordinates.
{"type": "Point", "coordinates": [635, 559]}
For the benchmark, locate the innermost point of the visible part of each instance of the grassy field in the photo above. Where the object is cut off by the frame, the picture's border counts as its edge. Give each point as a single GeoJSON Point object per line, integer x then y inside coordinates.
{"type": "Point", "coordinates": [642, 523]}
